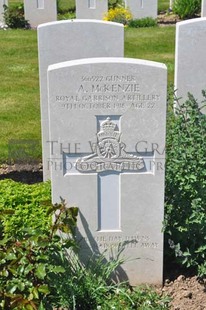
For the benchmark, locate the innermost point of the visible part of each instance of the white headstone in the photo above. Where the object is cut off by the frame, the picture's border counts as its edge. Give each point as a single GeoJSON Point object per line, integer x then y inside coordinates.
{"type": "Point", "coordinates": [2, 3]}
{"type": "Point", "coordinates": [142, 8]}
{"type": "Point", "coordinates": [107, 124]}
{"type": "Point", "coordinates": [68, 40]}
{"type": "Point", "coordinates": [190, 59]}
{"type": "Point", "coordinates": [91, 9]}
{"type": "Point", "coordinates": [203, 10]}
{"type": "Point", "coordinates": [40, 11]}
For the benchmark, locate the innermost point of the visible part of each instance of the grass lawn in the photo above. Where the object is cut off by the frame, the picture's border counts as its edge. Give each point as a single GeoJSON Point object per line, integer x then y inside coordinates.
{"type": "Point", "coordinates": [19, 87]}
{"type": "Point", "coordinates": [156, 44]}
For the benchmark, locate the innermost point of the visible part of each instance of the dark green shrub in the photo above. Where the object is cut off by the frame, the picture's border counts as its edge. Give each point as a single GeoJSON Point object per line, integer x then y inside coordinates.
{"type": "Point", "coordinates": [14, 17]}
{"type": "Point", "coordinates": [26, 203]}
{"type": "Point", "coordinates": [186, 9]}
{"type": "Point", "coordinates": [143, 22]}
{"type": "Point", "coordinates": [185, 208]}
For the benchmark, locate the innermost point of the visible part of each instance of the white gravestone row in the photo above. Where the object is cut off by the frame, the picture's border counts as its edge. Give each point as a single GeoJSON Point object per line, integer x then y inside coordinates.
{"type": "Point", "coordinates": [2, 3]}
{"type": "Point", "coordinates": [107, 124]}
{"type": "Point", "coordinates": [40, 11]}
{"type": "Point", "coordinates": [190, 60]}
{"type": "Point", "coordinates": [68, 40]}
{"type": "Point", "coordinates": [142, 8]}
{"type": "Point", "coordinates": [91, 9]}
{"type": "Point", "coordinates": [203, 10]}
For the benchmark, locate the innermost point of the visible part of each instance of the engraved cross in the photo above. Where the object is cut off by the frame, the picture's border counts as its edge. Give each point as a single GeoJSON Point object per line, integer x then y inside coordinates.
{"type": "Point", "coordinates": [109, 160]}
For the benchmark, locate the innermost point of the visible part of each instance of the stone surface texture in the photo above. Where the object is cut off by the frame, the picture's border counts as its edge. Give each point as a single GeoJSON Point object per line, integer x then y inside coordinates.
{"type": "Point", "coordinates": [2, 2]}
{"type": "Point", "coordinates": [40, 11]}
{"type": "Point", "coordinates": [142, 8]}
{"type": "Point", "coordinates": [68, 40]}
{"type": "Point", "coordinates": [190, 60]}
{"type": "Point", "coordinates": [107, 122]}
{"type": "Point", "coordinates": [91, 9]}
{"type": "Point", "coordinates": [203, 10]}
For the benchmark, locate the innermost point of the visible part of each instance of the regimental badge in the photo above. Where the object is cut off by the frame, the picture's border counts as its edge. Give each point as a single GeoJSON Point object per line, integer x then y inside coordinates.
{"type": "Point", "coordinates": [110, 153]}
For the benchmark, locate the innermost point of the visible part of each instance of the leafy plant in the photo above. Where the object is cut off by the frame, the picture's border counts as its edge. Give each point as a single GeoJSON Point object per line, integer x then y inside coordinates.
{"type": "Point", "coordinates": [40, 267]}
{"type": "Point", "coordinates": [64, 7]}
{"type": "Point", "coordinates": [118, 15]}
{"type": "Point", "coordinates": [30, 264]}
{"type": "Point", "coordinates": [185, 216]}
{"type": "Point", "coordinates": [143, 22]}
{"type": "Point", "coordinates": [14, 17]}
{"type": "Point", "coordinates": [186, 8]}
{"type": "Point", "coordinates": [23, 205]}
{"type": "Point", "coordinates": [115, 3]}
{"type": "Point", "coordinates": [91, 287]}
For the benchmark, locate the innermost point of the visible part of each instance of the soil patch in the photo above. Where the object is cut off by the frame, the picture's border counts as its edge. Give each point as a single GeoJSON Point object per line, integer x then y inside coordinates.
{"type": "Point", "coordinates": [24, 173]}
{"type": "Point", "coordinates": [187, 293]}
{"type": "Point", "coordinates": [167, 19]}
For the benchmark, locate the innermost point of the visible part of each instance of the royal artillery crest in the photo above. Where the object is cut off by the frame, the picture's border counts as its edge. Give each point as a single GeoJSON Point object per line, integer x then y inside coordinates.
{"type": "Point", "coordinates": [110, 153]}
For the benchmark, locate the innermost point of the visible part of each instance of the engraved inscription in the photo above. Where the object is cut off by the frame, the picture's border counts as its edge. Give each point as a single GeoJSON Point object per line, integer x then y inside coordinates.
{"type": "Point", "coordinates": [107, 241]}
{"type": "Point", "coordinates": [110, 153]}
{"type": "Point", "coordinates": [109, 92]}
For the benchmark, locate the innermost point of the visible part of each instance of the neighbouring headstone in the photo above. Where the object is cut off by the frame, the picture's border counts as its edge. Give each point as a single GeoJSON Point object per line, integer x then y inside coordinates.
{"type": "Point", "coordinates": [40, 11]}
{"type": "Point", "coordinates": [68, 40]}
{"type": "Point", "coordinates": [2, 3]}
{"type": "Point", "coordinates": [171, 4]}
{"type": "Point", "coordinates": [107, 127]}
{"type": "Point", "coordinates": [91, 9]}
{"type": "Point", "coordinates": [190, 60]}
{"type": "Point", "coordinates": [142, 8]}
{"type": "Point", "coordinates": [203, 10]}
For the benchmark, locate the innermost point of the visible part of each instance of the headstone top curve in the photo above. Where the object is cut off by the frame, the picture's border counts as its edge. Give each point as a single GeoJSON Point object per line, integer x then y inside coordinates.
{"type": "Point", "coordinates": [100, 60]}
{"type": "Point", "coordinates": [191, 21]}
{"type": "Point", "coordinates": [76, 21]}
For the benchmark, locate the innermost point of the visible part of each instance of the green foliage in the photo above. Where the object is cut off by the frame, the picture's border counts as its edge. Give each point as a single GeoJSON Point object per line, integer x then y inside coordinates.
{"type": "Point", "coordinates": [91, 287]}
{"type": "Point", "coordinates": [68, 15]}
{"type": "Point", "coordinates": [186, 9]}
{"type": "Point", "coordinates": [40, 270]}
{"type": "Point", "coordinates": [143, 22]}
{"type": "Point", "coordinates": [65, 6]}
{"type": "Point", "coordinates": [30, 264]}
{"type": "Point", "coordinates": [14, 17]}
{"type": "Point", "coordinates": [23, 205]}
{"type": "Point", "coordinates": [163, 5]}
{"type": "Point", "coordinates": [185, 213]}
{"type": "Point", "coordinates": [115, 3]}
